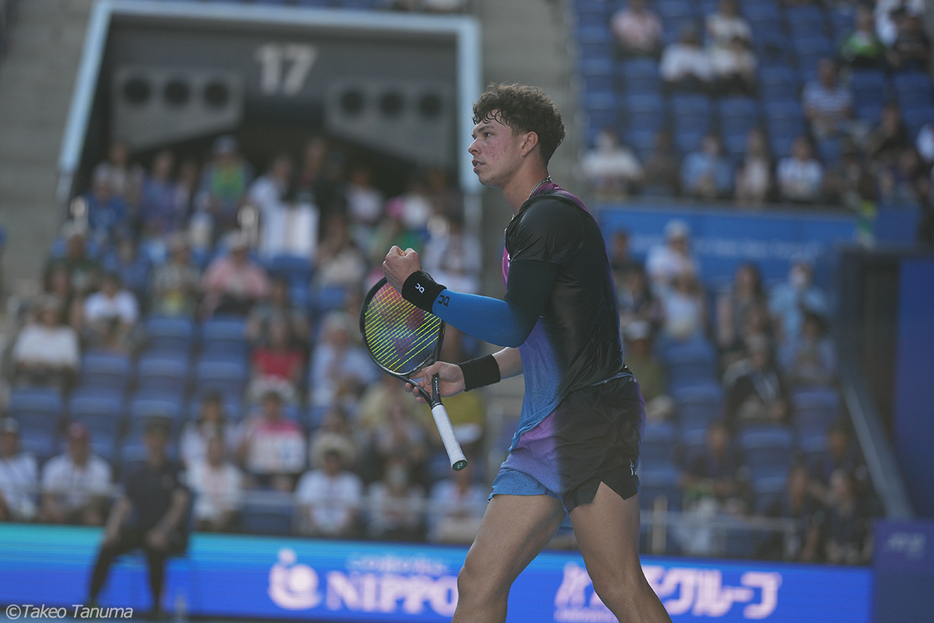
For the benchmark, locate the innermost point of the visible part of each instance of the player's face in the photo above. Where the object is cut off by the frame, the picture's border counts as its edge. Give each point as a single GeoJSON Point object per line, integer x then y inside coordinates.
{"type": "Point", "coordinates": [496, 152]}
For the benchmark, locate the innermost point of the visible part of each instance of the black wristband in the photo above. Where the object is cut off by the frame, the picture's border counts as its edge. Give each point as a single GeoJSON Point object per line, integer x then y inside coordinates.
{"type": "Point", "coordinates": [479, 372]}
{"type": "Point", "coordinates": [421, 290]}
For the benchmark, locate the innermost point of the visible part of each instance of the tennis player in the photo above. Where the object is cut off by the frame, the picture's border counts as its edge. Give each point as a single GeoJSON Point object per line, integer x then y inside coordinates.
{"type": "Point", "coordinates": [577, 447]}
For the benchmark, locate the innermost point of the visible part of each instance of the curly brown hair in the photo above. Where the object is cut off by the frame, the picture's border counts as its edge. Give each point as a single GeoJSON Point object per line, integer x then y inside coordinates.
{"type": "Point", "coordinates": [523, 109]}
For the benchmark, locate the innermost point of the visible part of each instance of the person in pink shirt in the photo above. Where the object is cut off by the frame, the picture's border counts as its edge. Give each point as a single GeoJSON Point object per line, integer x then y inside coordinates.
{"type": "Point", "coordinates": [637, 30]}
{"type": "Point", "coordinates": [233, 283]}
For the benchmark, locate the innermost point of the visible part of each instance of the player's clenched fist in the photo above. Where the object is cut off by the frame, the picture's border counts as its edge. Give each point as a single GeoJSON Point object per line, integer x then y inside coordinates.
{"type": "Point", "coordinates": [399, 264]}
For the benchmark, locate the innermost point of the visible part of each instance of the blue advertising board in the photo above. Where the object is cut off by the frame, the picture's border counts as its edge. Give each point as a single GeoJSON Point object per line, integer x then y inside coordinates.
{"type": "Point", "coordinates": [904, 571]}
{"type": "Point", "coordinates": [291, 578]}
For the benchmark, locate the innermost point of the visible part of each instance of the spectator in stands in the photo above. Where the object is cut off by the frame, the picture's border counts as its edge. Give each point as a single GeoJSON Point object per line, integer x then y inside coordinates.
{"type": "Point", "coordinates": [57, 283]}
{"type": "Point", "coordinates": [647, 367]}
{"type": "Point", "coordinates": [707, 174]}
{"type": "Point", "coordinates": [754, 176]}
{"type": "Point", "coordinates": [212, 421]}
{"type": "Point", "coordinates": [279, 362]}
{"type": "Point", "coordinates": [218, 487]}
{"type": "Point", "coordinates": [176, 285]}
{"type": "Point", "coordinates": [724, 26]}
{"type": "Point", "coordinates": [445, 198]}
{"type": "Point", "coordinates": [457, 505]}
{"type": "Point", "coordinates": [684, 312]}
{"type": "Point", "coordinates": [84, 271]}
{"type": "Point", "coordinates": [390, 232]}
{"type": "Point", "coordinates": [412, 207]}
{"type": "Point", "coordinates": [159, 207]}
{"type": "Point", "coordinates": [734, 68]}
{"type": "Point", "coordinates": [621, 261]}
{"type": "Point", "coordinates": [133, 268]}
{"type": "Point", "coordinates": [335, 424]}
{"type": "Point", "coordinates": [269, 190]}
{"type": "Point", "coordinates": [685, 65]}
{"type": "Point", "coordinates": [612, 169]}
{"type": "Point", "coordinates": [637, 30]}
{"type": "Point", "coordinates": [800, 176]}
{"type": "Point", "coordinates": [19, 476]}
{"type": "Point", "coordinates": [889, 139]}
{"type": "Point", "coordinates": [661, 175]}
{"type": "Point", "coordinates": [316, 183]}
{"type": "Point", "coordinates": [849, 529]}
{"type": "Point", "coordinates": [911, 49]}
{"type": "Point", "coordinates": [636, 300]}
{"type": "Point", "coordinates": [897, 182]}
{"type": "Point", "coordinates": [396, 503]}
{"type": "Point", "coordinates": [787, 300]}
{"type": "Point", "coordinates": [807, 511]}
{"type": "Point", "coordinates": [888, 13]}
{"type": "Point", "coordinates": [224, 182]}
{"type": "Point", "coordinates": [828, 104]}
{"type": "Point", "coordinates": [755, 390]}
{"type": "Point", "coordinates": [272, 447]}
{"type": "Point", "coordinates": [664, 262]}
{"type": "Point", "coordinates": [150, 515]}
{"type": "Point", "coordinates": [364, 205]}
{"type": "Point", "coordinates": [122, 179]}
{"type": "Point", "coordinates": [76, 484]}
{"type": "Point", "coordinates": [110, 316]}
{"type": "Point", "coordinates": [286, 227]}
{"type": "Point", "coordinates": [454, 256]}
{"type": "Point", "coordinates": [329, 497]}
{"type": "Point", "coordinates": [842, 454]}
{"type": "Point", "coordinates": [400, 435]}
{"type": "Point", "coordinates": [107, 212]}
{"type": "Point", "coordinates": [234, 282]}
{"type": "Point", "coordinates": [339, 261]}
{"type": "Point", "coordinates": [373, 412]}
{"type": "Point", "coordinates": [339, 369]}
{"type": "Point", "coordinates": [46, 352]}
{"type": "Point", "coordinates": [734, 305]}
{"type": "Point", "coordinates": [862, 49]}
{"type": "Point", "coordinates": [810, 358]}
{"type": "Point", "coordinates": [278, 307]}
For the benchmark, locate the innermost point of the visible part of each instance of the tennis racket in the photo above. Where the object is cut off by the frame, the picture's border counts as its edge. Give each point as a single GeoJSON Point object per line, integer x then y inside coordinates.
{"type": "Point", "coordinates": [402, 339]}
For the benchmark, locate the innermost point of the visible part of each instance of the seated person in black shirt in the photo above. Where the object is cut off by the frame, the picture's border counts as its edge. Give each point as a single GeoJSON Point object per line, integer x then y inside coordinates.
{"type": "Point", "coordinates": [151, 515]}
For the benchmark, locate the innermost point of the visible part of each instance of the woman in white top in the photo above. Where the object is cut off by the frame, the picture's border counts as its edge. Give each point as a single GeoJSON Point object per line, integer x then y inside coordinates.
{"type": "Point", "coordinates": [754, 177]}
{"type": "Point", "coordinates": [726, 24]}
{"type": "Point", "coordinates": [46, 352]}
{"type": "Point", "coordinates": [800, 177]}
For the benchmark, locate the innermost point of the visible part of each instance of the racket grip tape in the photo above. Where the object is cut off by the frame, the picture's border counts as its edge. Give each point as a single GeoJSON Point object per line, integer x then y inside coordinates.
{"type": "Point", "coordinates": [443, 422]}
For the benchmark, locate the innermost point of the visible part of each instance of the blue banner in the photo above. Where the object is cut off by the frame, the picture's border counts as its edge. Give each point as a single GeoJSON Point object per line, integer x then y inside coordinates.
{"type": "Point", "coordinates": [288, 578]}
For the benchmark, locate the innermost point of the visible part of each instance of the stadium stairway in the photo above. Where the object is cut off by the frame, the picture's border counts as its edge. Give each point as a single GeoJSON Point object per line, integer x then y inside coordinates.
{"type": "Point", "coordinates": [37, 76]}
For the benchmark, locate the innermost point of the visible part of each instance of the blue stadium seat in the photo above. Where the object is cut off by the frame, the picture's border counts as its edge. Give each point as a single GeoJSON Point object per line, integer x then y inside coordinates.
{"type": "Point", "coordinates": [163, 372]}
{"type": "Point", "coordinates": [597, 74]}
{"type": "Point", "coordinates": [698, 405]}
{"type": "Point", "coordinates": [640, 76]}
{"type": "Point", "coordinates": [738, 115]}
{"type": "Point", "coordinates": [233, 408]}
{"type": "Point", "coordinates": [601, 109]}
{"type": "Point", "coordinates": [145, 405]}
{"type": "Point", "coordinates": [771, 46]}
{"type": "Point", "coordinates": [805, 20]}
{"type": "Point", "coordinates": [917, 118]}
{"type": "Point", "coordinates": [783, 110]}
{"type": "Point", "coordinates": [227, 376]}
{"type": "Point", "coordinates": [842, 22]}
{"type": "Point", "coordinates": [100, 411]}
{"type": "Point", "coordinates": [170, 334]}
{"type": "Point", "coordinates": [645, 112]}
{"type": "Point", "coordinates": [870, 91]}
{"type": "Point", "coordinates": [913, 89]}
{"type": "Point", "coordinates": [295, 269]}
{"type": "Point", "coordinates": [810, 51]}
{"type": "Point", "coordinates": [40, 442]}
{"type": "Point", "coordinates": [591, 14]}
{"type": "Point", "coordinates": [756, 11]}
{"type": "Point", "coordinates": [658, 443]}
{"type": "Point", "coordinates": [224, 335]}
{"type": "Point", "coordinates": [659, 481]}
{"type": "Point", "coordinates": [36, 408]}
{"type": "Point", "coordinates": [329, 298]}
{"type": "Point", "coordinates": [267, 513]}
{"type": "Point", "coordinates": [642, 141]}
{"type": "Point", "coordinates": [105, 371]}
{"type": "Point", "coordinates": [829, 150]}
{"type": "Point", "coordinates": [689, 140]}
{"type": "Point", "coordinates": [766, 449]}
{"type": "Point", "coordinates": [815, 409]}
{"type": "Point", "coordinates": [594, 42]}
{"type": "Point", "coordinates": [778, 83]}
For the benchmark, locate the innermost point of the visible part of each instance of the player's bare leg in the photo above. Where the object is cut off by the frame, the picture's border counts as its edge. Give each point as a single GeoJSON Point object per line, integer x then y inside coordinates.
{"type": "Point", "coordinates": [607, 532]}
{"type": "Point", "coordinates": [515, 528]}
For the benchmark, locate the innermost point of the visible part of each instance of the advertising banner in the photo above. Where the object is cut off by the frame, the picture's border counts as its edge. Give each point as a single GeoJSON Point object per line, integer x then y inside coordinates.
{"type": "Point", "coordinates": [290, 578]}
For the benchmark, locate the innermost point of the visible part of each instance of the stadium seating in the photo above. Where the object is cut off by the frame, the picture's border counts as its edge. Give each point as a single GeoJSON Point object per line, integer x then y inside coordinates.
{"type": "Point", "coordinates": [173, 335]}
{"type": "Point", "coordinates": [105, 371]}
{"type": "Point", "coordinates": [163, 372]}
{"type": "Point", "coordinates": [268, 513]}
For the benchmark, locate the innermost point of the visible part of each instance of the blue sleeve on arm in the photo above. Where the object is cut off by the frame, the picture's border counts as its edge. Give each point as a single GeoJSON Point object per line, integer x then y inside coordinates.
{"type": "Point", "coordinates": [506, 322]}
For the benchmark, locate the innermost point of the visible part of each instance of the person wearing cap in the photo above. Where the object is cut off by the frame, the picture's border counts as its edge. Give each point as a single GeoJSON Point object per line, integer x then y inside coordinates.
{"type": "Point", "coordinates": [329, 497]}
{"type": "Point", "coordinates": [46, 352]}
{"type": "Point", "coordinates": [110, 315]}
{"type": "Point", "coordinates": [75, 484]}
{"type": "Point", "coordinates": [19, 479]}
{"type": "Point", "coordinates": [151, 515]}
{"type": "Point", "coordinates": [233, 283]}
{"type": "Point", "coordinates": [224, 183]}
{"type": "Point", "coordinates": [670, 259]}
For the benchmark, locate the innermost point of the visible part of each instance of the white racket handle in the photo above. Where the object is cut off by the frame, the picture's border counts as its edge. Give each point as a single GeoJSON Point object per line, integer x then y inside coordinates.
{"type": "Point", "coordinates": [443, 422]}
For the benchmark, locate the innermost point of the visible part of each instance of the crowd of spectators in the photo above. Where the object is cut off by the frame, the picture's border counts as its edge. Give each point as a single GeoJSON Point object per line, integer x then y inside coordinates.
{"type": "Point", "coordinates": [209, 242]}
{"type": "Point", "coordinates": [811, 134]}
{"type": "Point", "coordinates": [759, 351]}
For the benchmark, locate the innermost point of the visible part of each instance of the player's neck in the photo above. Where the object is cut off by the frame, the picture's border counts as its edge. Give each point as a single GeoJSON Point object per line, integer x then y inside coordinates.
{"type": "Point", "coordinates": [521, 186]}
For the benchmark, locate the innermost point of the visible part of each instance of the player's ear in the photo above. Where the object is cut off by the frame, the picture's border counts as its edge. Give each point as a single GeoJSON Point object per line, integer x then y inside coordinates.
{"type": "Point", "coordinates": [529, 143]}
